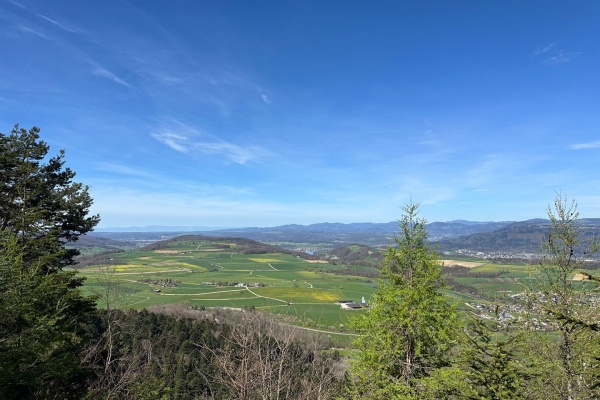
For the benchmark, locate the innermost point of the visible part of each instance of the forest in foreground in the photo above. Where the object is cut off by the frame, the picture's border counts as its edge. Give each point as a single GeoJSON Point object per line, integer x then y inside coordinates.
{"type": "Point", "coordinates": [55, 343]}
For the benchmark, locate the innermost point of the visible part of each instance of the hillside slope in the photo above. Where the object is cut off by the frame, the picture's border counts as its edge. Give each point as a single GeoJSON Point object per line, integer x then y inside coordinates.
{"type": "Point", "coordinates": [524, 236]}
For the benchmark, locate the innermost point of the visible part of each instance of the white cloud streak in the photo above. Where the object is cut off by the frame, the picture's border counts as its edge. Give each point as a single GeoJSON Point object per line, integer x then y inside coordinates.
{"type": "Point", "coordinates": [543, 50]}
{"type": "Point", "coordinates": [61, 26]}
{"type": "Point", "coordinates": [265, 99]}
{"type": "Point", "coordinates": [589, 145]}
{"type": "Point", "coordinates": [102, 72]}
{"type": "Point", "coordinates": [551, 55]}
{"type": "Point", "coordinates": [124, 170]}
{"type": "Point", "coordinates": [560, 56]}
{"type": "Point", "coordinates": [176, 142]}
{"type": "Point", "coordinates": [29, 30]}
{"type": "Point", "coordinates": [97, 69]}
{"type": "Point", "coordinates": [185, 139]}
{"type": "Point", "coordinates": [18, 5]}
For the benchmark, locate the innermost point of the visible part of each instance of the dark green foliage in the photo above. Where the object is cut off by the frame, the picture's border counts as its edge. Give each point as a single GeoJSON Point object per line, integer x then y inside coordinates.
{"type": "Point", "coordinates": [151, 351]}
{"type": "Point", "coordinates": [39, 202]}
{"type": "Point", "coordinates": [43, 316]}
{"type": "Point", "coordinates": [410, 327]}
{"type": "Point", "coordinates": [493, 370]}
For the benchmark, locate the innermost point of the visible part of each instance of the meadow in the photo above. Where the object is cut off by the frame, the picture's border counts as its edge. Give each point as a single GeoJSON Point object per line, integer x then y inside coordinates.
{"type": "Point", "coordinates": [213, 274]}
{"type": "Point", "coordinates": [199, 274]}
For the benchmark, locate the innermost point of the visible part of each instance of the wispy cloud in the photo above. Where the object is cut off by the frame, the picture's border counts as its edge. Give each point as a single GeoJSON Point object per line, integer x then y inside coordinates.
{"type": "Point", "coordinates": [186, 139]}
{"type": "Point", "coordinates": [543, 50]}
{"type": "Point", "coordinates": [561, 56]}
{"type": "Point", "coordinates": [96, 68]}
{"type": "Point", "coordinates": [109, 75]}
{"type": "Point", "coordinates": [29, 30]}
{"type": "Point", "coordinates": [124, 170]}
{"type": "Point", "coordinates": [589, 145]}
{"type": "Point", "coordinates": [18, 4]}
{"type": "Point", "coordinates": [551, 55]}
{"type": "Point", "coordinates": [175, 141]}
{"type": "Point", "coordinates": [265, 99]}
{"type": "Point", "coordinates": [235, 153]}
{"type": "Point", "coordinates": [61, 26]}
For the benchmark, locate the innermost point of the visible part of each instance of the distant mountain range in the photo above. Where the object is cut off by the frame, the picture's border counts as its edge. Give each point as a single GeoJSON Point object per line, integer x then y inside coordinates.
{"type": "Point", "coordinates": [488, 237]}
{"type": "Point", "coordinates": [324, 233]}
{"type": "Point", "coordinates": [524, 236]}
{"type": "Point", "coordinates": [159, 228]}
{"type": "Point", "coordinates": [366, 232]}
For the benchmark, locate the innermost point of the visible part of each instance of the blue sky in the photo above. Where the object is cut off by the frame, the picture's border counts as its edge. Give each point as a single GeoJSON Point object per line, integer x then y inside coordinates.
{"type": "Point", "coordinates": [262, 113]}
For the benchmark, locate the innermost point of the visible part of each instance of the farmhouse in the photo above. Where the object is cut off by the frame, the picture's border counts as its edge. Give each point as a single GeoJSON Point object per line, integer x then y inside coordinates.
{"type": "Point", "coordinates": [351, 305]}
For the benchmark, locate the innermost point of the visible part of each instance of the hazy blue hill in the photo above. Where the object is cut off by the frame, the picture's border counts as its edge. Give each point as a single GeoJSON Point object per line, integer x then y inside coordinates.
{"type": "Point", "coordinates": [327, 232]}
{"type": "Point", "coordinates": [365, 232]}
{"type": "Point", "coordinates": [524, 236]}
{"type": "Point", "coordinates": [158, 228]}
{"type": "Point", "coordinates": [93, 244]}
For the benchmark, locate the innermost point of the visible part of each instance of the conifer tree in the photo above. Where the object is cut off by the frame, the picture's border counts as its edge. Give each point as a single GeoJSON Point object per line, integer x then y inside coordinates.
{"type": "Point", "coordinates": [42, 311]}
{"type": "Point", "coordinates": [407, 333]}
{"type": "Point", "coordinates": [492, 369]}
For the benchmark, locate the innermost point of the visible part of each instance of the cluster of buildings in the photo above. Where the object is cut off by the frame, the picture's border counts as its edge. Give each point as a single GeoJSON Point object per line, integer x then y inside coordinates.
{"type": "Point", "coordinates": [236, 284]}
{"type": "Point", "coordinates": [492, 311]}
{"type": "Point", "coordinates": [509, 255]}
{"type": "Point", "coordinates": [352, 305]}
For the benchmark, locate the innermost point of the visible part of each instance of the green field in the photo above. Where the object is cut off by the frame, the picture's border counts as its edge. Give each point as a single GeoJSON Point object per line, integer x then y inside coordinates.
{"type": "Point", "coordinates": [297, 291]}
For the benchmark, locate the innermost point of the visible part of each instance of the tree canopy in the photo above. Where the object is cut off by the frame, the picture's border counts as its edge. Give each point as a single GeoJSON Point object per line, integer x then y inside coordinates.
{"type": "Point", "coordinates": [43, 314]}
{"type": "Point", "coordinates": [410, 327]}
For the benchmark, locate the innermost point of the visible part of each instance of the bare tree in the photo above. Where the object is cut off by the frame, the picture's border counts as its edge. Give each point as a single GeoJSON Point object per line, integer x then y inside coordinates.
{"type": "Point", "coordinates": [262, 359]}
{"type": "Point", "coordinates": [567, 365]}
{"type": "Point", "coordinates": [118, 370]}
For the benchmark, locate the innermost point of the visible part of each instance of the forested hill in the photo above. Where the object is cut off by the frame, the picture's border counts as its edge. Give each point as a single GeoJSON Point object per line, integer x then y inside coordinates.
{"type": "Point", "coordinates": [241, 245]}
{"type": "Point", "coordinates": [524, 236]}
{"type": "Point", "coordinates": [89, 242]}
{"type": "Point", "coordinates": [355, 254]}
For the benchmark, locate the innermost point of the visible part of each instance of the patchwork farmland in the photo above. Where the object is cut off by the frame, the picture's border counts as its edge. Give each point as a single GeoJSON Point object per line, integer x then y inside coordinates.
{"type": "Point", "coordinates": [217, 273]}
{"type": "Point", "coordinates": [214, 274]}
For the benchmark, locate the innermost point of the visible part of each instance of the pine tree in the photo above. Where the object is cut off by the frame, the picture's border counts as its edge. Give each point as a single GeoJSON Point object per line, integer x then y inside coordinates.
{"type": "Point", "coordinates": [407, 333]}
{"type": "Point", "coordinates": [43, 314]}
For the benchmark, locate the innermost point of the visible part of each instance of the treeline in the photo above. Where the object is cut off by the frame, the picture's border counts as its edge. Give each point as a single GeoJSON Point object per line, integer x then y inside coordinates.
{"type": "Point", "coordinates": [465, 272]}
{"type": "Point", "coordinates": [180, 353]}
{"type": "Point", "coordinates": [459, 271]}
{"type": "Point", "coordinates": [591, 265]}
{"type": "Point", "coordinates": [349, 271]}
{"type": "Point", "coordinates": [104, 258]}
{"type": "Point", "coordinates": [177, 353]}
{"type": "Point", "coordinates": [265, 248]}
{"type": "Point", "coordinates": [220, 246]}
{"type": "Point", "coordinates": [355, 254]}
{"type": "Point", "coordinates": [243, 246]}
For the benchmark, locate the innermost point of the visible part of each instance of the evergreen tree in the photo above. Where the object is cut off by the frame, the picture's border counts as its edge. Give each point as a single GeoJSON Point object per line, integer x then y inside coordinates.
{"type": "Point", "coordinates": [407, 333]}
{"type": "Point", "coordinates": [43, 314]}
{"type": "Point", "coordinates": [492, 369]}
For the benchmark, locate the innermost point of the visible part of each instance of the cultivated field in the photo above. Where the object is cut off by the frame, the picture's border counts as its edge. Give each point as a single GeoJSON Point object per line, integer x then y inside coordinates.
{"type": "Point", "coordinates": [468, 264]}
{"type": "Point", "coordinates": [200, 275]}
